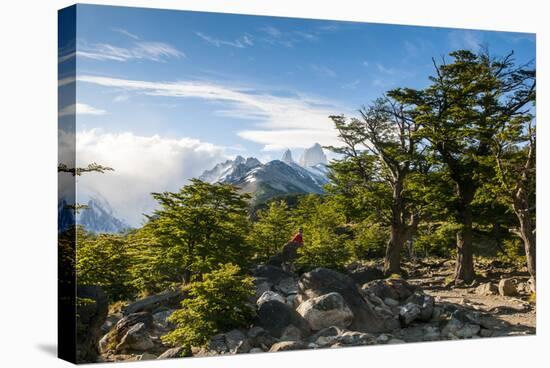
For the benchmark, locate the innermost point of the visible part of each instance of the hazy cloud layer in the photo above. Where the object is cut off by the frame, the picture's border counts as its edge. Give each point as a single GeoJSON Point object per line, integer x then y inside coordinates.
{"type": "Point", "coordinates": [142, 165]}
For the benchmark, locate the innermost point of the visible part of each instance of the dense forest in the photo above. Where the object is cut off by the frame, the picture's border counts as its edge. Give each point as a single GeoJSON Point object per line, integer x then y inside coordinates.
{"type": "Point", "coordinates": [444, 172]}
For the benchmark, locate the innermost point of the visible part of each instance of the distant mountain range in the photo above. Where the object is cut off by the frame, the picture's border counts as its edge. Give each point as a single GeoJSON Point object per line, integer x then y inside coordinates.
{"type": "Point", "coordinates": [274, 178]}
{"type": "Point", "coordinates": [262, 181]}
{"type": "Point", "coordinates": [97, 217]}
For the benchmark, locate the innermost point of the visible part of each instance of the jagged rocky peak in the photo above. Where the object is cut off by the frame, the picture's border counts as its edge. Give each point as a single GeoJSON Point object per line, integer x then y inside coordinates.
{"type": "Point", "coordinates": [287, 157]}
{"type": "Point", "coordinates": [313, 156]}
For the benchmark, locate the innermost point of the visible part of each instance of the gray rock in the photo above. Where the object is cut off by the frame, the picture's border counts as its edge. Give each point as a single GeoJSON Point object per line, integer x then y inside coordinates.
{"type": "Point", "coordinates": [275, 316]}
{"type": "Point", "coordinates": [235, 339]}
{"type": "Point", "coordinates": [169, 299]}
{"type": "Point", "coordinates": [146, 356]}
{"type": "Point", "coordinates": [288, 286]}
{"type": "Point", "coordinates": [425, 303]}
{"type": "Point", "coordinates": [487, 288]}
{"type": "Point", "coordinates": [363, 274]}
{"type": "Point", "coordinates": [136, 339]}
{"type": "Point", "coordinates": [217, 344]}
{"type": "Point", "coordinates": [172, 353]}
{"type": "Point", "coordinates": [255, 350]}
{"type": "Point", "coordinates": [408, 313]}
{"type": "Point", "coordinates": [322, 281]}
{"type": "Point", "coordinates": [355, 338]}
{"type": "Point", "coordinates": [161, 318]}
{"type": "Point", "coordinates": [452, 326]}
{"type": "Point", "coordinates": [397, 289]}
{"type": "Point", "coordinates": [391, 302]}
{"type": "Point", "coordinates": [291, 333]}
{"type": "Point", "coordinates": [271, 274]}
{"type": "Point", "coordinates": [325, 311]}
{"type": "Point", "coordinates": [259, 337]}
{"type": "Point", "coordinates": [288, 345]}
{"type": "Point", "coordinates": [270, 295]}
{"type": "Point", "coordinates": [468, 331]}
{"type": "Point", "coordinates": [507, 287]}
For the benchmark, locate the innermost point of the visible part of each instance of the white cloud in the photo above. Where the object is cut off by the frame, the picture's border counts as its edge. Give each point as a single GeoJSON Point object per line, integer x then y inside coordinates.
{"type": "Point", "coordinates": [141, 50]}
{"type": "Point", "coordinates": [142, 165]}
{"type": "Point", "coordinates": [126, 33]}
{"type": "Point", "coordinates": [381, 68]}
{"type": "Point", "coordinates": [241, 42]}
{"type": "Point", "coordinates": [465, 39]}
{"type": "Point", "coordinates": [279, 118]}
{"type": "Point", "coordinates": [351, 85]}
{"type": "Point", "coordinates": [81, 109]}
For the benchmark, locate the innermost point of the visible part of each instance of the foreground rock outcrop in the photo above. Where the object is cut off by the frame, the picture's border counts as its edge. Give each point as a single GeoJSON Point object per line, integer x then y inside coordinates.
{"type": "Point", "coordinates": [322, 308]}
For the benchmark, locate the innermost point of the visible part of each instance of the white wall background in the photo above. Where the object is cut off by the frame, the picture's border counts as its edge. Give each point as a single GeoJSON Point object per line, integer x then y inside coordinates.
{"type": "Point", "coordinates": [28, 149]}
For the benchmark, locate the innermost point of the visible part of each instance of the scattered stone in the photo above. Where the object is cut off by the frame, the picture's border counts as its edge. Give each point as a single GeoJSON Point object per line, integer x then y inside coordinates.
{"type": "Point", "coordinates": [270, 295]}
{"type": "Point", "coordinates": [325, 311]}
{"type": "Point", "coordinates": [255, 350]}
{"type": "Point", "coordinates": [362, 274]}
{"type": "Point", "coordinates": [236, 340]}
{"type": "Point", "coordinates": [391, 302]}
{"type": "Point", "coordinates": [172, 353]}
{"type": "Point", "coordinates": [507, 287]}
{"type": "Point", "coordinates": [288, 345]}
{"type": "Point", "coordinates": [425, 303]}
{"type": "Point", "coordinates": [146, 356]}
{"type": "Point", "coordinates": [408, 313]}
{"type": "Point", "coordinates": [288, 286]}
{"type": "Point", "coordinates": [322, 281]}
{"type": "Point", "coordinates": [383, 339]}
{"type": "Point", "coordinates": [275, 316]}
{"type": "Point", "coordinates": [397, 289]}
{"type": "Point", "coordinates": [136, 339]}
{"type": "Point", "coordinates": [487, 288]}
{"type": "Point", "coordinates": [161, 318]}
{"type": "Point", "coordinates": [291, 333]}
{"type": "Point", "coordinates": [468, 331]}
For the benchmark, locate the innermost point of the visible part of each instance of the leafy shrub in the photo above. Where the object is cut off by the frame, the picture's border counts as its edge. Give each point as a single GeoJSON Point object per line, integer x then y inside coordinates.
{"type": "Point", "coordinates": [216, 304]}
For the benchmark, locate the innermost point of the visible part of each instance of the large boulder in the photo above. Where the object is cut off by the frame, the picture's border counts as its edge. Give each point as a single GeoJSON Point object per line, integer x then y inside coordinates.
{"type": "Point", "coordinates": [111, 342]}
{"type": "Point", "coordinates": [270, 295]}
{"type": "Point", "coordinates": [275, 316]}
{"type": "Point", "coordinates": [397, 289]}
{"type": "Point", "coordinates": [322, 281]}
{"type": "Point", "coordinates": [271, 274]}
{"type": "Point", "coordinates": [507, 287]}
{"type": "Point", "coordinates": [363, 274]}
{"type": "Point", "coordinates": [169, 299]}
{"type": "Point", "coordinates": [424, 302]}
{"type": "Point", "coordinates": [487, 288]}
{"type": "Point", "coordinates": [136, 339]}
{"type": "Point", "coordinates": [325, 311]}
{"type": "Point", "coordinates": [92, 308]}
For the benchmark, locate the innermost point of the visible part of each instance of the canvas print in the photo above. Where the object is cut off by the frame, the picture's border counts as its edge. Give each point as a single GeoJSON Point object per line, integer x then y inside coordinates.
{"type": "Point", "coordinates": [238, 184]}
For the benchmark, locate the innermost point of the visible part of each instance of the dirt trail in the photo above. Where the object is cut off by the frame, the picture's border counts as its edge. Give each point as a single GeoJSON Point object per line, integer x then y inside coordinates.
{"type": "Point", "coordinates": [517, 314]}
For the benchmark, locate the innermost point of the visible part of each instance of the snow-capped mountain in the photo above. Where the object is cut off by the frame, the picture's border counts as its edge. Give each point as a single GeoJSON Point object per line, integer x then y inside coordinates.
{"type": "Point", "coordinates": [96, 217]}
{"type": "Point", "coordinates": [313, 156]}
{"type": "Point", "coordinates": [274, 178]}
{"type": "Point", "coordinates": [230, 170]}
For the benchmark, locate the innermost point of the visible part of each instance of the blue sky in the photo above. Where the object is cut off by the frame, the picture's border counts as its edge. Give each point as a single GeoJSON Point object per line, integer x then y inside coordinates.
{"type": "Point", "coordinates": [220, 84]}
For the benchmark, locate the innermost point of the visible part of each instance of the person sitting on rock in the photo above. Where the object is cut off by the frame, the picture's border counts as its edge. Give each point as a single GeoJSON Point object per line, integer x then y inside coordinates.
{"type": "Point", "coordinates": [298, 237]}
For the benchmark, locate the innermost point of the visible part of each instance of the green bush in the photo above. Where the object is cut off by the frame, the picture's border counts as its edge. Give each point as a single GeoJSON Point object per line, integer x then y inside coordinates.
{"type": "Point", "coordinates": [272, 230]}
{"type": "Point", "coordinates": [369, 241]}
{"type": "Point", "coordinates": [216, 304]}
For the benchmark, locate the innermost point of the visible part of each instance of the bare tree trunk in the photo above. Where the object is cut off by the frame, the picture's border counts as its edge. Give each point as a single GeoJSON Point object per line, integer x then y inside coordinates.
{"type": "Point", "coordinates": [527, 232]}
{"type": "Point", "coordinates": [392, 261]}
{"type": "Point", "coordinates": [464, 271]}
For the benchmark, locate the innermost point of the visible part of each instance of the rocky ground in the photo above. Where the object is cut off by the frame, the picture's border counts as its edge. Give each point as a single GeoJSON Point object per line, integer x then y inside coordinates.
{"type": "Point", "coordinates": [328, 309]}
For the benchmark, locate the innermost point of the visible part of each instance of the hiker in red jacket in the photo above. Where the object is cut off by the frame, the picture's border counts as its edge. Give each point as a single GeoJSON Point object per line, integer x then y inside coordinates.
{"type": "Point", "coordinates": [298, 237]}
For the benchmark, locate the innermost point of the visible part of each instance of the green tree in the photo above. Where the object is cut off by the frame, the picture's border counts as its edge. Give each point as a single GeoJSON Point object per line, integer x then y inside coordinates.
{"type": "Point", "coordinates": [104, 260]}
{"type": "Point", "coordinates": [324, 236]}
{"type": "Point", "coordinates": [515, 159]}
{"type": "Point", "coordinates": [200, 226]}
{"type": "Point", "coordinates": [383, 146]}
{"type": "Point", "coordinates": [272, 230]}
{"type": "Point", "coordinates": [461, 112]}
{"type": "Point", "coordinates": [216, 304]}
